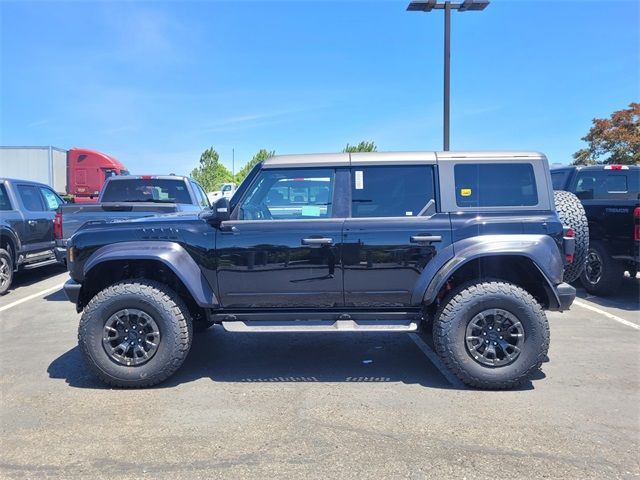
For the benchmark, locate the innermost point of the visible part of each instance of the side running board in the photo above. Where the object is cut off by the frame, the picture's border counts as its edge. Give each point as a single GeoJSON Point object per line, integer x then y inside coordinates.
{"type": "Point", "coordinates": [287, 326]}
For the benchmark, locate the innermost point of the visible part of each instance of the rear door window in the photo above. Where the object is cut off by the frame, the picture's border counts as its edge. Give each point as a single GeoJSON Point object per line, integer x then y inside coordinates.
{"type": "Point", "coordinates": [392, 191]}
{"type": "Point", "coordinates": [51, 200]}
{"type": "Point", "coordinates": [495, 185]}
{"type": "Point", "coordinates": [31, 198]}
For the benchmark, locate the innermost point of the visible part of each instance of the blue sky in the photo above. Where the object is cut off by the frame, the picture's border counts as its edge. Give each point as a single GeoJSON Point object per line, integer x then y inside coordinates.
{"type": "Point", "coordinates": [155, 83]}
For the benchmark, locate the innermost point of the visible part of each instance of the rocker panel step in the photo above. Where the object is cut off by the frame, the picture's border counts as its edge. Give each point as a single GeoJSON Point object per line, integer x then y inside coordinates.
{"type": "Point", "coordinates": [301, 326]}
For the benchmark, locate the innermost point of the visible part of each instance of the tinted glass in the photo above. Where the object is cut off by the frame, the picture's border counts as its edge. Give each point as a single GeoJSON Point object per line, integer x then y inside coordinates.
{"type": "Point", "coordinates": [558, 179]}
{"type": "Point", "coordinates": [603, 184]}
{"type": "Point", "coordinates": [51, 200]}
{"type": "Point", "coordinates": [398, 191]}
{"type": "Point", "coordinates": [289, 194]}
{"type": "Point", "coordinates": [201, 197]}
{"type": "Point", "coordinates": [147, 190]}
{"type": "Point", "coordinates": [30, 198]}
{"type": "Point", "coordinates": [495, 185]}
{"type": "Point", "coordinates": [5, 203]}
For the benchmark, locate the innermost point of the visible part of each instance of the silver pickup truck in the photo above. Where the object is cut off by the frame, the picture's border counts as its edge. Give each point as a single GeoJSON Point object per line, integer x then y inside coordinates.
{"type": "Point", "coordinates": [127, 197]}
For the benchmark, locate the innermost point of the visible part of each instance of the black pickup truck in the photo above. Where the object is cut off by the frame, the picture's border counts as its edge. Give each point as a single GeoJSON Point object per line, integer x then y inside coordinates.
{"type": "Point", "coordinates": [382, 242]}
{"type": "Point", "coordinates": [26, 227]}
{"type": "Point", "coordinates": [610, 195]}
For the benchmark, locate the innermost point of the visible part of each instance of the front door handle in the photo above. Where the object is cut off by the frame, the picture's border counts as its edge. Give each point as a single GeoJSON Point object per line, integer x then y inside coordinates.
{"type": "Point", "coordinates": [317, 241]}
{"type": "Point", "coordinates": [425, 238]}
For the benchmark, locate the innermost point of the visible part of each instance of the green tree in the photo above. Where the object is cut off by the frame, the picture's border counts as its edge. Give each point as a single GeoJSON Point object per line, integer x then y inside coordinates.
{"type": "Point", "coordinates": [257, 158]}
{"type": "Point", "coordinates": [361, 147]}
{"type": "Point", "coordinates": [211, 173]}
{"type": "Point", "coordinates": [613, 140]}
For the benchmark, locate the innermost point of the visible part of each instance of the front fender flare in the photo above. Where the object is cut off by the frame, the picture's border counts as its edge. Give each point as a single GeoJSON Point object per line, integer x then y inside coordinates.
{"type": "Point", "coordinates": [171, 254]}
{"type": "Point", "coordinates": [540, 249]}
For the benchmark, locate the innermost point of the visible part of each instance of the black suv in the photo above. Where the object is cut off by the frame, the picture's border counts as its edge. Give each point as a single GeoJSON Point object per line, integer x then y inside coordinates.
{"type": "Point", "coordinates": [339, 242]}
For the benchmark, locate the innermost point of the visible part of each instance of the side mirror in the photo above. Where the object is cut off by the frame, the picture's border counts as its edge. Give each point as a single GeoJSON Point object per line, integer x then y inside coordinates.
{"type": "Point", "coordinates": [219, 212]}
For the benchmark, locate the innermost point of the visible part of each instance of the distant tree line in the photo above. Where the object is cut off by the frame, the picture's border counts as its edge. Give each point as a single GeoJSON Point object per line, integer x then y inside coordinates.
{"type": "Point", "coordinates": [211, 173]}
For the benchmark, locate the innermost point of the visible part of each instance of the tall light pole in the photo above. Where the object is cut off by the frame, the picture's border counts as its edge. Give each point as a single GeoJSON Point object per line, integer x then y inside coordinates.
{"type": "Point", "coordinates": [447, 6]}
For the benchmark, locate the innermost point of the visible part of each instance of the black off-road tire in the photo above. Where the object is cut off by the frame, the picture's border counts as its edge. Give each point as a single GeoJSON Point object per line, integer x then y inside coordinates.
{"type": "Point", "coordinates": [572, 214]}
{"type": "Point", "coordinates": [611, 274]}
{"type": "Point", "coordinates": [453, 317]}
{"type": "Point", "coordinates": [167, 310]}
{"type": "Point", "coordinates": [6, 270]}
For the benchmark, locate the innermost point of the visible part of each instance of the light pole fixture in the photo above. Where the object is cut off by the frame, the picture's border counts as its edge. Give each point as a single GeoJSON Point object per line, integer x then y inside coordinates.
{"type": "Point", "coordinates": [447, 6]}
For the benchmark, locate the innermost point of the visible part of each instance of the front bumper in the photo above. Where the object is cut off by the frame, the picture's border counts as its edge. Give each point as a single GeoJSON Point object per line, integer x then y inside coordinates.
{"type": "Point", "coordinates": [72, 290]}
{"type": "Point", "coordinates": [566, 296]}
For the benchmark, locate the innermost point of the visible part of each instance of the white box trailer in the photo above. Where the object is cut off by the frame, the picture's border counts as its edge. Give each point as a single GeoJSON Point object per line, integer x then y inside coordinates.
{"type": "Point", "coordinates": [40, 164]}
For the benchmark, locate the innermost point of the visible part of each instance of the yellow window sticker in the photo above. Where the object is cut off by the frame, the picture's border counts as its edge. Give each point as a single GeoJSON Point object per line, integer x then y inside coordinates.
{"type": "Point", "coordinates": [465, 192]}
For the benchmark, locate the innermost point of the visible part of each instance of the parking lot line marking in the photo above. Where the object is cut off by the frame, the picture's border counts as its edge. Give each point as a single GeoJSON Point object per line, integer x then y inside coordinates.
{"type": "Point", "coordinates": [31, 297]}
{"type": "Point", "coordinates": [435, 360]}
{"type": "Point", "coordinates": [607, 314]}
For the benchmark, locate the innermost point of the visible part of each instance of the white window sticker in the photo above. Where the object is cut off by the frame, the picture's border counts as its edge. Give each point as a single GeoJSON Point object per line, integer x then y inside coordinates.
{"type": "Point", "coordinates": [409, 214]}
{"type": "Point", "coordinates": [359, 179]}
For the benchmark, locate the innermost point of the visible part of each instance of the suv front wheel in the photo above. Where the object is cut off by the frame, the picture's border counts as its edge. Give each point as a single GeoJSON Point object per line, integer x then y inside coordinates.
{"type": "Point", "coordinates": [135, 333]}
{"type": "Point", "coordinates": [491, 335]}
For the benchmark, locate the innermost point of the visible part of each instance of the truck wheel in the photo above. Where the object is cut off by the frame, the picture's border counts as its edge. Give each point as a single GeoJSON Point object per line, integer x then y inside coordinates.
{"type": "Point", "coordinates": [135, 333]}
{"type": "Point", "coordinates": [602, 274]}
{"type": "Point", "coordinates": [491, 335]}
{"type": "Point", "coordinates": [572, 214]}
{"type": "Point", "coordinates": [6, 271]}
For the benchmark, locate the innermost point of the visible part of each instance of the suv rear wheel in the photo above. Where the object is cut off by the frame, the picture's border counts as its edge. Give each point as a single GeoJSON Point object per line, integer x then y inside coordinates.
{"type": "Point", "coordinates": [135, 333]}
{"type": "Point", "coordinates": [491, 335]}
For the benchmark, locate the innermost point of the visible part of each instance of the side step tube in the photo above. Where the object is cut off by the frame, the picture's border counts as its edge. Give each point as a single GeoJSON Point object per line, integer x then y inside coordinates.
{"type": "Point", "coordinates": [302, 326]}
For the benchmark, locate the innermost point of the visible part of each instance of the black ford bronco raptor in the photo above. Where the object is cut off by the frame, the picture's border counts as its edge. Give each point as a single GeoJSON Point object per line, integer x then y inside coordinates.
{"type": "Point", "coordinates": [383, 242]}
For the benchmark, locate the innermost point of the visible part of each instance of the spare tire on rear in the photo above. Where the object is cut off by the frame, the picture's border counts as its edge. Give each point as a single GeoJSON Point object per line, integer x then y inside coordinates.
{"type": "Point", "coordinates": [572, 214]}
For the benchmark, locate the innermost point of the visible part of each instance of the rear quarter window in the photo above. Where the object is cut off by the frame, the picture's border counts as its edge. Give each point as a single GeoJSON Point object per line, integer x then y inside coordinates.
{"type": "Point", "coordinates": [495, 185]}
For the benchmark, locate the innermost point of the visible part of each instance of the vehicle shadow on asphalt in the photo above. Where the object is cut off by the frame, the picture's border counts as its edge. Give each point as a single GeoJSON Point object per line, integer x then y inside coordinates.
{"type": "Point", "coordinates": [24, 278]}
{"type": "Point", "coordinates": [57, 296]}
{"type": "Point", "coordinates": [287, 358]}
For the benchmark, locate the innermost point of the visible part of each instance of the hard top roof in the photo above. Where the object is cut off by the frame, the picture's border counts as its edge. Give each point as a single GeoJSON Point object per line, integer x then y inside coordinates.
{"type": "Point", "coordinates": [389, 158]}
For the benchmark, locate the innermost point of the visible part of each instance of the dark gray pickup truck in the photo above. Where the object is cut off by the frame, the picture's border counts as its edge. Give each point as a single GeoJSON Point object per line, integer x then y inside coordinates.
{"type": "Point", "coordinates": [466, 242]}
{"type": "Point", "coordinates": [610, 195]}
{"type": "Point", "coordinates": [127, 197]}
{"type": "Point", "coordinates": [26, 227]}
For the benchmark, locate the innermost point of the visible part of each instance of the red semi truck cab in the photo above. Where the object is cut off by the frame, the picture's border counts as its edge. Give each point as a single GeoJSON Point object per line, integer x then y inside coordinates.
{"type": "Point", "coordinates": [87, 171]}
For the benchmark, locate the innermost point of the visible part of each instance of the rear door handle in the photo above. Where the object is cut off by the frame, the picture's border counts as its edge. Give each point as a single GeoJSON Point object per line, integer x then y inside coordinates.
{"type": "Point", "coordinates": [32, 223]}
{"type": "Point", "coordinates": [317, 241]}
{"type": "Point", "coordinates": [425, 238]}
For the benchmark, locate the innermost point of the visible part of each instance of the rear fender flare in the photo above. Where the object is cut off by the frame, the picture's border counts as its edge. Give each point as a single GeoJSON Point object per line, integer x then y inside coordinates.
{"type": "Point", "coordinates": [14, 240]}
{"type": "Point", "coordinates": [540, 249]}
{"type": "Point", "coordinates": [171, 254]}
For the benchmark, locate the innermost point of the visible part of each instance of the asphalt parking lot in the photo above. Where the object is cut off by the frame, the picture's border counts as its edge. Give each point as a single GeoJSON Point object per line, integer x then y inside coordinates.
{"type": "Point", "coordinates": [317, 405]}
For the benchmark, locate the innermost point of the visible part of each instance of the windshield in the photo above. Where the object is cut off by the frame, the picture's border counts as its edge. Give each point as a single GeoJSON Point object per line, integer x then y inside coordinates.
{"type": "Point", "coordinates": [146, 190]}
